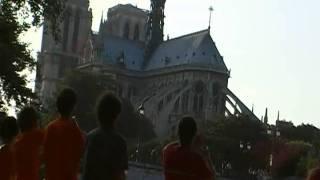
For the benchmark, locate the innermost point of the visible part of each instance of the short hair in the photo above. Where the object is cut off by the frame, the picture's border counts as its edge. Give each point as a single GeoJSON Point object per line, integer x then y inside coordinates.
{"type": "Point", "coordinates": [108, 109]}
{"type": "Point", "coordinates": [27, 118]}
{"type": "Point", "coordinates": [187, 130]}
{"type": "Point", "coordinates": [8, 128]}
{"type": "Point", "coordinates": [66, 101]}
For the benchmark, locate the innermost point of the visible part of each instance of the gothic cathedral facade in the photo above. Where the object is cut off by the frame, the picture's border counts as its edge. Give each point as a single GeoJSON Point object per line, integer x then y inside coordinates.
{"type": "Point", "coordinates": [169, 78]}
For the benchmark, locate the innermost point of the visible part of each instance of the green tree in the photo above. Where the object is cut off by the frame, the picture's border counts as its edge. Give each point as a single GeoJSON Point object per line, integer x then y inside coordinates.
{"type": "Point", "coordinates": [287, 159]}
{"type": "Point", "coordinates": [224, 139]}
{"type": "Point", "coordinates": [16, 17]}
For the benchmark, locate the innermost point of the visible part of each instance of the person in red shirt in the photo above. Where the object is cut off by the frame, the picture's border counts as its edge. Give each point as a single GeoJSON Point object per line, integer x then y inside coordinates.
{"type": "Point", "coordinates": [64, 141]}
{"type": "Point", "coordinates": [8, 131]}
{"type": "Point", "coordinates": [28, 145]}
{"type": "Point", "coordinates": [180, 160]}
{"type": "Point", "coordinates": [314, 174]}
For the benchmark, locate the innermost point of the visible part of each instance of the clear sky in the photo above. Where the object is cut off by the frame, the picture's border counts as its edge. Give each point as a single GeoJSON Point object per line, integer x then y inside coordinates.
{"type": "Point", "coordinates": [271, 47]}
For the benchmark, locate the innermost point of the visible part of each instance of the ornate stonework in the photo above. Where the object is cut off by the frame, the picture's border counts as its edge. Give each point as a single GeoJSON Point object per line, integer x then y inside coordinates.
{"type": "Point", "coordinates": [182, 76]}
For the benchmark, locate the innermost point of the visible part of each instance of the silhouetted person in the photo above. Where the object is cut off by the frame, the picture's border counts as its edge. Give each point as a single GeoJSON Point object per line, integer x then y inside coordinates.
{"type": "Point", "coordinates": [64, 142]}
{"type": "Point", "coordinates": [8, 131]}
{"type": "Point", "coordinates": [106, 151]}
{"type": "Point", "coordinates": [314, 174]}
{"type": "Point", "coordinates": [180, 160]}
{"type": "Point", "coordinates": [28, 145]}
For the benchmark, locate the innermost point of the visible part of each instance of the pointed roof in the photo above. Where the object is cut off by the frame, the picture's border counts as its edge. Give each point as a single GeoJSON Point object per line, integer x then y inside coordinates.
{"type": "Point", "coordinates": [266, 117]}
{"type": "Point", "coordinates": [196, 49]}
{"type": "Point", "coordinates": [101, 22]}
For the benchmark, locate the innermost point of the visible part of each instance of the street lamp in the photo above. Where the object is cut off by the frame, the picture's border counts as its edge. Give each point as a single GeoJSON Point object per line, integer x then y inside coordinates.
{"type": "Point", "coordinates": [141, 112]}
{"type": "Point", "coordinates": [141, 109]}
{"type": "Point", "coordinates": [245, 146]}
{"type": "Point", "coordinates": [274, 133]}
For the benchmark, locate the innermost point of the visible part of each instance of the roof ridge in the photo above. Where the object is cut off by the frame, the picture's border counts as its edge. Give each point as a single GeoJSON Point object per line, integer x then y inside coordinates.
{"type": "Point", "coordinates": [128, 5]}
{"type": "Point", "coordinates": [186, 35]}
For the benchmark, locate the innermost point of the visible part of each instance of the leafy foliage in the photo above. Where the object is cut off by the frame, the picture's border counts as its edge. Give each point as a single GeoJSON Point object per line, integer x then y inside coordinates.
{"type": "Point", "coordinates": [303, 132]}
{"type": "Point", "coordinates": [15, 56]}
{"type": "Point", "coordinates": [286, 160]}
{"type": "Point", "coordinates": [224, 140]}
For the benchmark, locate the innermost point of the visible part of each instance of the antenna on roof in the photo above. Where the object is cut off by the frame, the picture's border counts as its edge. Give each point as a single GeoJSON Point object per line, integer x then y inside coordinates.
{"type": "Point", "coordinates": [211, 10]}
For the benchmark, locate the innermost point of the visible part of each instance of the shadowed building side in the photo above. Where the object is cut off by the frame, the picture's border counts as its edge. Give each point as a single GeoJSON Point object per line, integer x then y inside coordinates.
{"type": "Point", "coordinates": [183, 75]}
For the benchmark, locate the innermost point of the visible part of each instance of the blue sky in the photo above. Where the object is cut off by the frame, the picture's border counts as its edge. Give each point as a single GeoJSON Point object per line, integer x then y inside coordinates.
{"type": "Point", "coordinates": [271, 47]}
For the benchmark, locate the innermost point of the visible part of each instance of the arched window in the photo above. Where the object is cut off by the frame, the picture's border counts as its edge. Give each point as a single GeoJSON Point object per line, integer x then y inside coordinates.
{"type": "Point", "coordinates": [198, 103]}
{"type": "Point", "coordinates": [215, 89]}
{"type": "Point", "coordinates": [66, 24]}
{"type": "Point", "coordinates": [126, 31]}
{"type": "Point", "coordinates": [185, 102]}
{"type": "Point", "coordinates": [201, 103]}
{"type": "Point", "coordinates": [198, 99]}
{"type": "Point", "coordinates": [136, 33]}
{"type": "Point", "coordinates": [195, 103]}
{"type": "Point", "coordinates": [160, 105]}
{"type": "Point", "coordinates": [176, 105]}
{"type": "Point", "coordinates": [76, 31]}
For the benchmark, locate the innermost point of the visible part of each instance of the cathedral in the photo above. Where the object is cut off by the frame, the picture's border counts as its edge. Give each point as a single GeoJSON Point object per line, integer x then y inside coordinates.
{"type": "Point", "coordinates": [165, 78]}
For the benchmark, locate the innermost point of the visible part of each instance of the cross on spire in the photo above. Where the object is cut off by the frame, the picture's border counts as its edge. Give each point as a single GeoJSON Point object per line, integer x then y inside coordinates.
{"type": "Point", "coordinates": [211, 10]}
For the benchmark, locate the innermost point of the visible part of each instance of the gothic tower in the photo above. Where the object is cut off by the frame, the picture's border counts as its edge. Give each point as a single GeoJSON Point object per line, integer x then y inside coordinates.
{"type": "Point", "coordinates": [58, 57]}
{"type": "Point", "coordinates": [155, 27]}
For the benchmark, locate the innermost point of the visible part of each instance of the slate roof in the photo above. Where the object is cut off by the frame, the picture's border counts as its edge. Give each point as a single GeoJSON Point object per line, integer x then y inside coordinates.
{"type": "Point", "coordinates": [132, 51]}
{"type": "Point", "coordinates": [196, 49]}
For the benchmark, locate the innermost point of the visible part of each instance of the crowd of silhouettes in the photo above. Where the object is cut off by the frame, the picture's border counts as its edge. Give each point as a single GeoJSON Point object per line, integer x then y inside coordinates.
{"type": "Point", "coordinates": [61, 147]}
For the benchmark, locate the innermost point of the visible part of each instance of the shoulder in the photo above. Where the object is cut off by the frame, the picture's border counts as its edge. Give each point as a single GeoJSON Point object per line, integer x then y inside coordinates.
{"type": "Point", "coordinates": [93, 133]}
{"type": "Point", "coordinates": [3, 148]}
{"type": "Point", "coordinates": [53, 124]}
{"type": "Point", "coordinates": [119, 138]}
{"type": "Point", "coordinates": [171, 146]}
{"type": "Point", "coordinates": [315, 173]}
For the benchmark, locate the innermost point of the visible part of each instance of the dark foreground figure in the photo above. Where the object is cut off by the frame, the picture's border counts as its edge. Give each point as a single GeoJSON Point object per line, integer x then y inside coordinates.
{"type": "Point", "coordinates": [8, 131]}
{"type": "Point", "coordinates": [106, 152]}
{"type": "Point", "coordinates": [182, 160]}
{"type": "Point", "coordinates": [64, 142]}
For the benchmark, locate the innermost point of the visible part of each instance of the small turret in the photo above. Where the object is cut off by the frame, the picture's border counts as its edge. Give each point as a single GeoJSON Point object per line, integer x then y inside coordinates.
{"type": "Point", "coordinates": [265, 120]}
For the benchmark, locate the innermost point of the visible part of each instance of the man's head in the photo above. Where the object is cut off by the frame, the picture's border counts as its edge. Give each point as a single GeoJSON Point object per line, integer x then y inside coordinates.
{"type": "Point", "coordinates": [66, 102]}
{"type": "Point", "coordinates": [108, 109]}
{"type": "Point", "coordinates": [187, 131]}
{"type": "Point", "coordinates": [27, 119]}
{"type": "Point", "coordinates": [8, 129]}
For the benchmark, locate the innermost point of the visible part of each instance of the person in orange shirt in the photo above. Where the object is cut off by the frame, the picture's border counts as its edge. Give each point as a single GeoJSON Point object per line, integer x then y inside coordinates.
{"type": "Point", "coordinates": [8, 131]}
{"type": "Point", "coordinates": [64, 142]}
{"type": "Point", "coordinates": [28, 145]}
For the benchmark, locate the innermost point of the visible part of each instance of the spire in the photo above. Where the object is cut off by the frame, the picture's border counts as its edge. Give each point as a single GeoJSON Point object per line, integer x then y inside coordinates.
{"type": "Point", "coordinates": [101, 22]}
{"type": "Point", "coordinates": [155, 27]}
{"type": "Point", "coordinates": [278, 117]}
{"type": "Point", "coordinates": [265, 120]}
{"type": "Point", "coordinates": [210, 9]}
{"type": "Point", "coordinates": [252, 109]}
